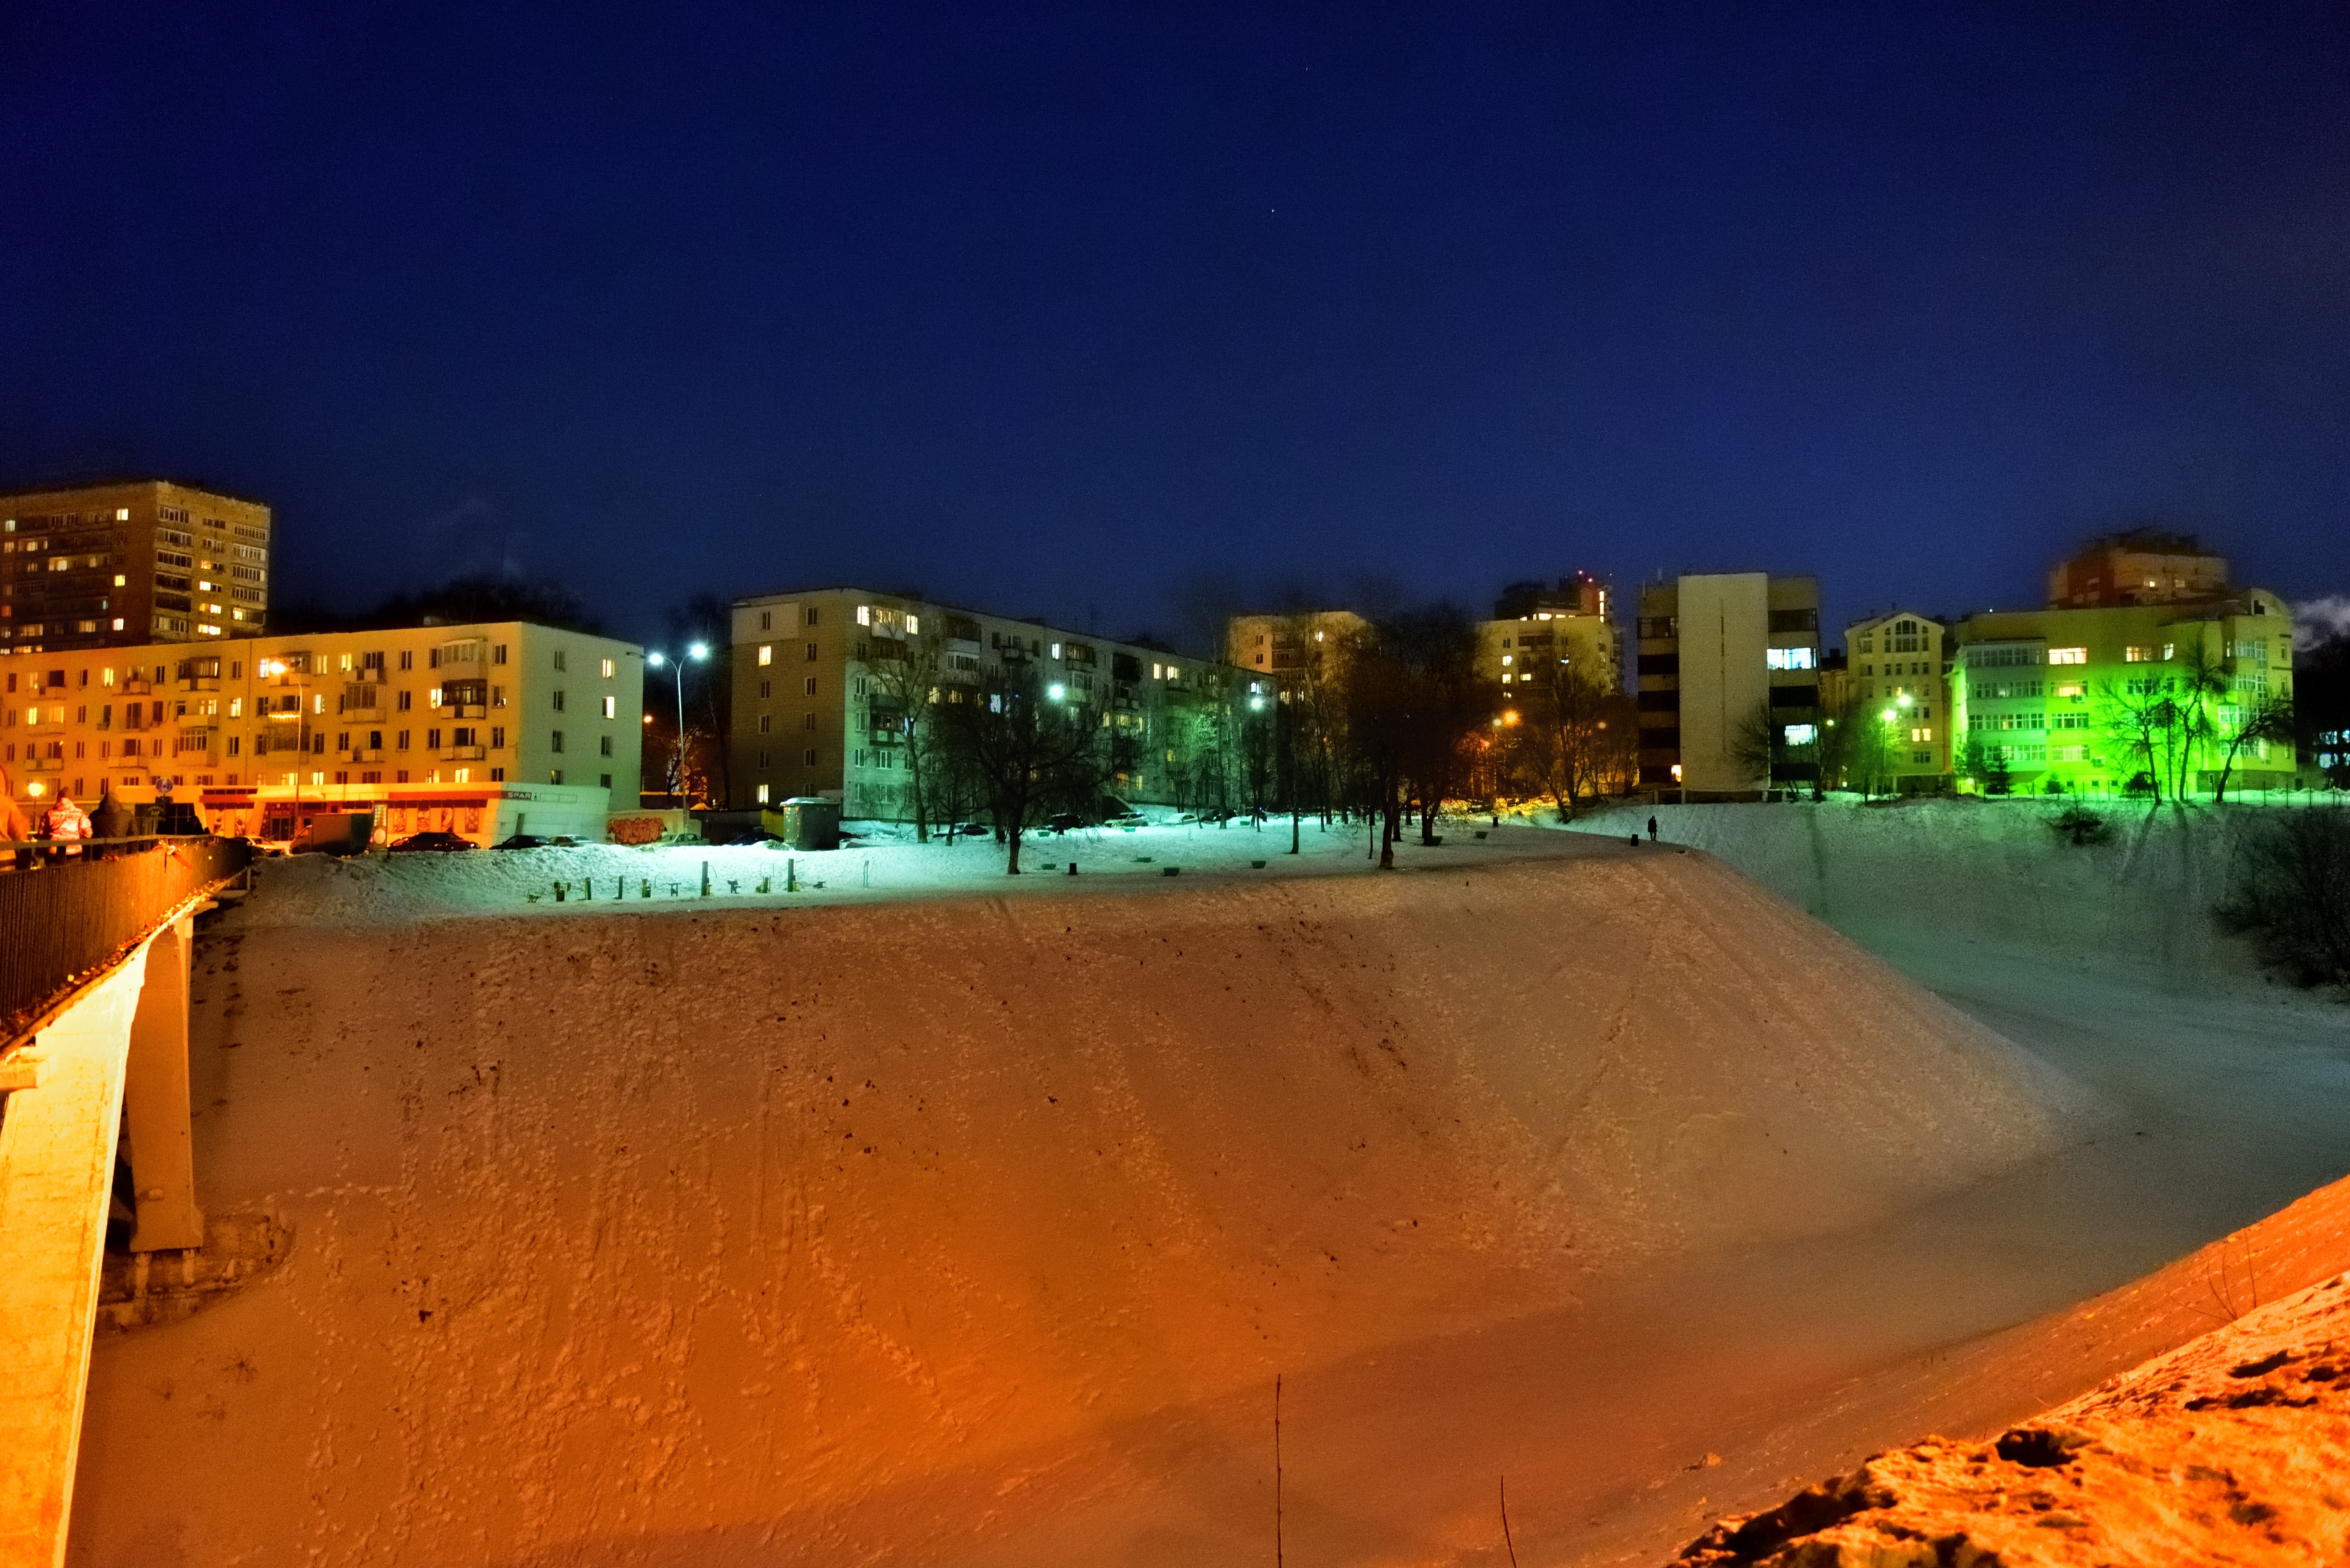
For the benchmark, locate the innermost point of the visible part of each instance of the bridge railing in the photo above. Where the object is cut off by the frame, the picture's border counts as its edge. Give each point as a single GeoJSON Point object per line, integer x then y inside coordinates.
{"type": "Point", "coordinates": [65, 920]}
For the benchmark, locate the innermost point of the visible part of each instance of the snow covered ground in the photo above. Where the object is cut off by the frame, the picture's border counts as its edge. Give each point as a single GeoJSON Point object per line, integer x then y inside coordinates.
{"type": "Point", "coordinates": [887, 864]}
{"type": "Point", "coordinates": [968, 1222]}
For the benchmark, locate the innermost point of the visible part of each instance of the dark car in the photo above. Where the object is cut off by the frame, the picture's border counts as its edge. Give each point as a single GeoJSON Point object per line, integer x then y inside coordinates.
{"type": "Point", "coordinates": [442, 842]}
{"type": "Point", "coordinates": [1063, 822]}
{"type": "Point", "coordinates": [523, 841]}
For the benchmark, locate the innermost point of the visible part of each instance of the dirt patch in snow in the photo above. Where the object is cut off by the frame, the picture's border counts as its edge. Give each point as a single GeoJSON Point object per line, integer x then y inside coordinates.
{"type": "Point", "coordinates": [975, 1229]}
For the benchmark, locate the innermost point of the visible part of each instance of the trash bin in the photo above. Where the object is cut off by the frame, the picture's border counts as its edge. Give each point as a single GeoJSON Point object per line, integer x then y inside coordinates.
{"type": "Point", "coordinates": [805, 821]}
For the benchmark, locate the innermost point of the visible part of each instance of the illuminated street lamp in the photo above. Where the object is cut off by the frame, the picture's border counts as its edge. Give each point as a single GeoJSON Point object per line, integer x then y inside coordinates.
{"type": "Point", "coordinates": [698, 652]}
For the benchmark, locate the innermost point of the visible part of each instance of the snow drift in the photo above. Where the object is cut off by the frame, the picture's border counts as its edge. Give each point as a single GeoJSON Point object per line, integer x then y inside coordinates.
{"type": "Point", "coordinates": [686, 1237]}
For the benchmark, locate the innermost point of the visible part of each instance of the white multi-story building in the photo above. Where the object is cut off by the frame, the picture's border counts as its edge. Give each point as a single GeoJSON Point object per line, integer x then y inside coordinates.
{"type": "Point", "coordinates": [825, 680]}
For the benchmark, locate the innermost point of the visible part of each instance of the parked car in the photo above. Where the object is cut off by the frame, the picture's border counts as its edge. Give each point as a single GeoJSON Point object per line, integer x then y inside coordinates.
{"type": "Point", "coordinates": [436, 840]}
{"type": "Point", "coordinates": [1063, 822]}
{"type": "Point", "coordinates": [535, 841]}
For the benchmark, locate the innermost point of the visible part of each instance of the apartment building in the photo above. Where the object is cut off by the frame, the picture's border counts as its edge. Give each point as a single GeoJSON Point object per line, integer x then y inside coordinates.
{"type": "Point", "coordinates": [1536, 626]}
{"type": "Point", "coordinates": [2141, 567]}
{"type": "Point", "coordinates": [826, 681]}
{"type": "Point", "coordinates": [1721, 657]}
{"type": "Point", "coordinates": [2044, 696]}
{"type": "Point", "coordinates": [127, 565]}
{"type": "Point", "coordinates": [482, 731]}
{"type": "Point", "coordinates": [1287, 646]}
{"type": "Point", "coordinates": [1898, 676]}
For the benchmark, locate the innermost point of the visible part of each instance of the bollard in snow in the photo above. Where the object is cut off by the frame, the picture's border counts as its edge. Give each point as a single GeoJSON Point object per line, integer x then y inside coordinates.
{"type": "Point", "coordinates": [762, 883]}
{"type": "Point", "coordinates": [644, 888]}
{"type": "Point", "coordinates": [866, 875]}
{"type": "Point", "coordinates": [705, 878]}
{"type": "Point", "coordinates": [559, 887]}
{"type": "Point", "coordinates": [791, 877]}
{"type": "Point", "coordinates": [1072, 867]}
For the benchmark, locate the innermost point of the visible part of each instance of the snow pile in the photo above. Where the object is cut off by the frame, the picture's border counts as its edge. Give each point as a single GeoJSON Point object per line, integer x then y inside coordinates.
{"type": "Point", "coordinates": [1987, 872]}
{"type": "Point", "coordinates": [911, 1230]}
{"type": "Point", "coordinates": [2232, 1449]}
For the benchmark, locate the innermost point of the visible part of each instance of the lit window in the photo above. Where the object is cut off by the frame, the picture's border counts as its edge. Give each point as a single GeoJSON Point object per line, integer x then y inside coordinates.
{"type": "Point", "coordinates": [1506, 657]}
{"type": "Point", "coordinates": [1789, 658]}
{"type": "Point", "coordinates": [607, 675]}
{"type": "Point", "coordinates": [2133, 655]}
{"type": "Point", "coordinates": [1057, 650]}
{"type": "Point", "coordinates": [864, 617]}
{"type": "Point", "coordinates": [762, 795]}
{"type": "Point", "coordinates": [914, 626]}
{"type": "Point", "coordinates": [611, 707]}
{"type": "Point", "coordinates": [2068, 656]}
{"type": "Point", "coordinates": [1801, 735]}
{"type": "Point", "coordinates": [767, 653]}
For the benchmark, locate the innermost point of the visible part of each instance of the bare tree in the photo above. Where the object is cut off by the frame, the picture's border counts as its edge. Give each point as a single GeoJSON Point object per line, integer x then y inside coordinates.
{"type": "Point", "coordinates": [902, 695]}
{"type": "Point", "coordinates": [1410, 702]}
{"type": "Point", "coordinates": [1569, 734]}
{"type": "Point", "coordinates": [1756, 744]}
{"type": "Point", "coordinates": [2257, 718]}
{"type": "Point", "coordinates": [1028, 751]}
{"type": "Point", "coordinates": [2141, 718]}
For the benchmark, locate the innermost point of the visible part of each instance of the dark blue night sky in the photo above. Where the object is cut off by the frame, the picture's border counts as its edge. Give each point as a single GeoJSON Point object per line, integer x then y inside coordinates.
{"type": "Point", "coordinates": [1056, 310]}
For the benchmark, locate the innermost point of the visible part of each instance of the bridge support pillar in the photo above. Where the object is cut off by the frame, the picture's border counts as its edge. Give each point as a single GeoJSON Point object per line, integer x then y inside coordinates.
{"type": "Point", "coordinates": [155, 1099]}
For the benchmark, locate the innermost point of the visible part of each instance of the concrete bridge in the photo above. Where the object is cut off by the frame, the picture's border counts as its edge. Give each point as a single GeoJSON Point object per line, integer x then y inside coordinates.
{"type": "Point", "coordinates": [94, 967]}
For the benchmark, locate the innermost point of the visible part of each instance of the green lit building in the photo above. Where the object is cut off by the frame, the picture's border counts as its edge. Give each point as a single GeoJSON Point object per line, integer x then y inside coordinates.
{"type": "Point", "coordinates": [2086, 700]}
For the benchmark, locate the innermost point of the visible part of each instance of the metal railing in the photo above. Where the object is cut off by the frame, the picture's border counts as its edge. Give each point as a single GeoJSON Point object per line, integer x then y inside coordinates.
{"type": "Point", "coordinates": [62, 921]}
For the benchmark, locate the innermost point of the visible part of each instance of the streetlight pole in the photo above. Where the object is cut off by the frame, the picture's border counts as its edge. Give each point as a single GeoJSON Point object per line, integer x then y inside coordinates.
{"type": "Point", "coordinates": [699, 651]}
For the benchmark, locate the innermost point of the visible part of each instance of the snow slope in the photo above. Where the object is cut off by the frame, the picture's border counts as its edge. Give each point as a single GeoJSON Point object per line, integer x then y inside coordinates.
{"type": "Point", "coordinates": [974, 1228]}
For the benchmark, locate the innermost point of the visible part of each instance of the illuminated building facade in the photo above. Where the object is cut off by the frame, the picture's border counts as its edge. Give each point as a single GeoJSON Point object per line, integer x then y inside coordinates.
{"type": "Point", "coordinates": [1535, 627]}
{"type": "Point", "coordinates": [1724, 658]}
{"type": "Point", "coordinates": [1898, 669]}
{"type": "Point", "coordinates": [2070, 700]}
{"type": "Point", "coordinates": [126, 565]}
{"type": "Point", "coordinates": [825, 679]}
{"type": "Point", "coordinates": [1290, 648]}
{"type": "Point", "coordinates": [480, 730]}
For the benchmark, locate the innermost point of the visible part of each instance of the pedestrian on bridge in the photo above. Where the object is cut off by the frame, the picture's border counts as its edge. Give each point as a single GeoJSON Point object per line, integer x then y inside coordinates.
{"type": "Point", "coordinates": [66, 823]}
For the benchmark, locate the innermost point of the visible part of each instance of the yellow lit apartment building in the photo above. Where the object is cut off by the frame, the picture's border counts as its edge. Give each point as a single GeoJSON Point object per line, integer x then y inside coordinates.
{"type": "Point", "coordinates": [1535, 627]}
{"type": "Point", "coordinates": [479, 730]}
{"type": "Point", "coordinates": [2042, 695]}
{"type": "Point", "coordinates": [123, 565]}
{"type": "Point", "coordinates": [1898, 675]}
{"type": "Point", "coordinates": [1286, 647]}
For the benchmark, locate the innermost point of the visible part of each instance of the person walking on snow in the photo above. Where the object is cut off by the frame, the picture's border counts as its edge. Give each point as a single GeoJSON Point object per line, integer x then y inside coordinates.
{"type": "Point", "coordinates": [1653, 830]}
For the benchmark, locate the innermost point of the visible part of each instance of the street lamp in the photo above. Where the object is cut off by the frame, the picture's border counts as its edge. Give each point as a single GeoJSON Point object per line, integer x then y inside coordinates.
{"type": "Point", "coordinates": [698, 652]}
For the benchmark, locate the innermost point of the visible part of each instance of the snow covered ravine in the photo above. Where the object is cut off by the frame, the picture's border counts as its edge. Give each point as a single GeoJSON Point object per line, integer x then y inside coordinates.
{"type": "Point", "coordinates": [895, 1222]}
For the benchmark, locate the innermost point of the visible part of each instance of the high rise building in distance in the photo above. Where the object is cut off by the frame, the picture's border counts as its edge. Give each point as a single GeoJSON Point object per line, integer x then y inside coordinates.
{"type": "Point", "coordinates": [129, 564]}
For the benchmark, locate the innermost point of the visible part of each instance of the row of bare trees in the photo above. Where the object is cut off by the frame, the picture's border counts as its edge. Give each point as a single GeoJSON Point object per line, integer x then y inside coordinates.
{"type": "Point", "coordinates": [1392, 723]}
{"type": "Point", "coordinates": [2202, 718]}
